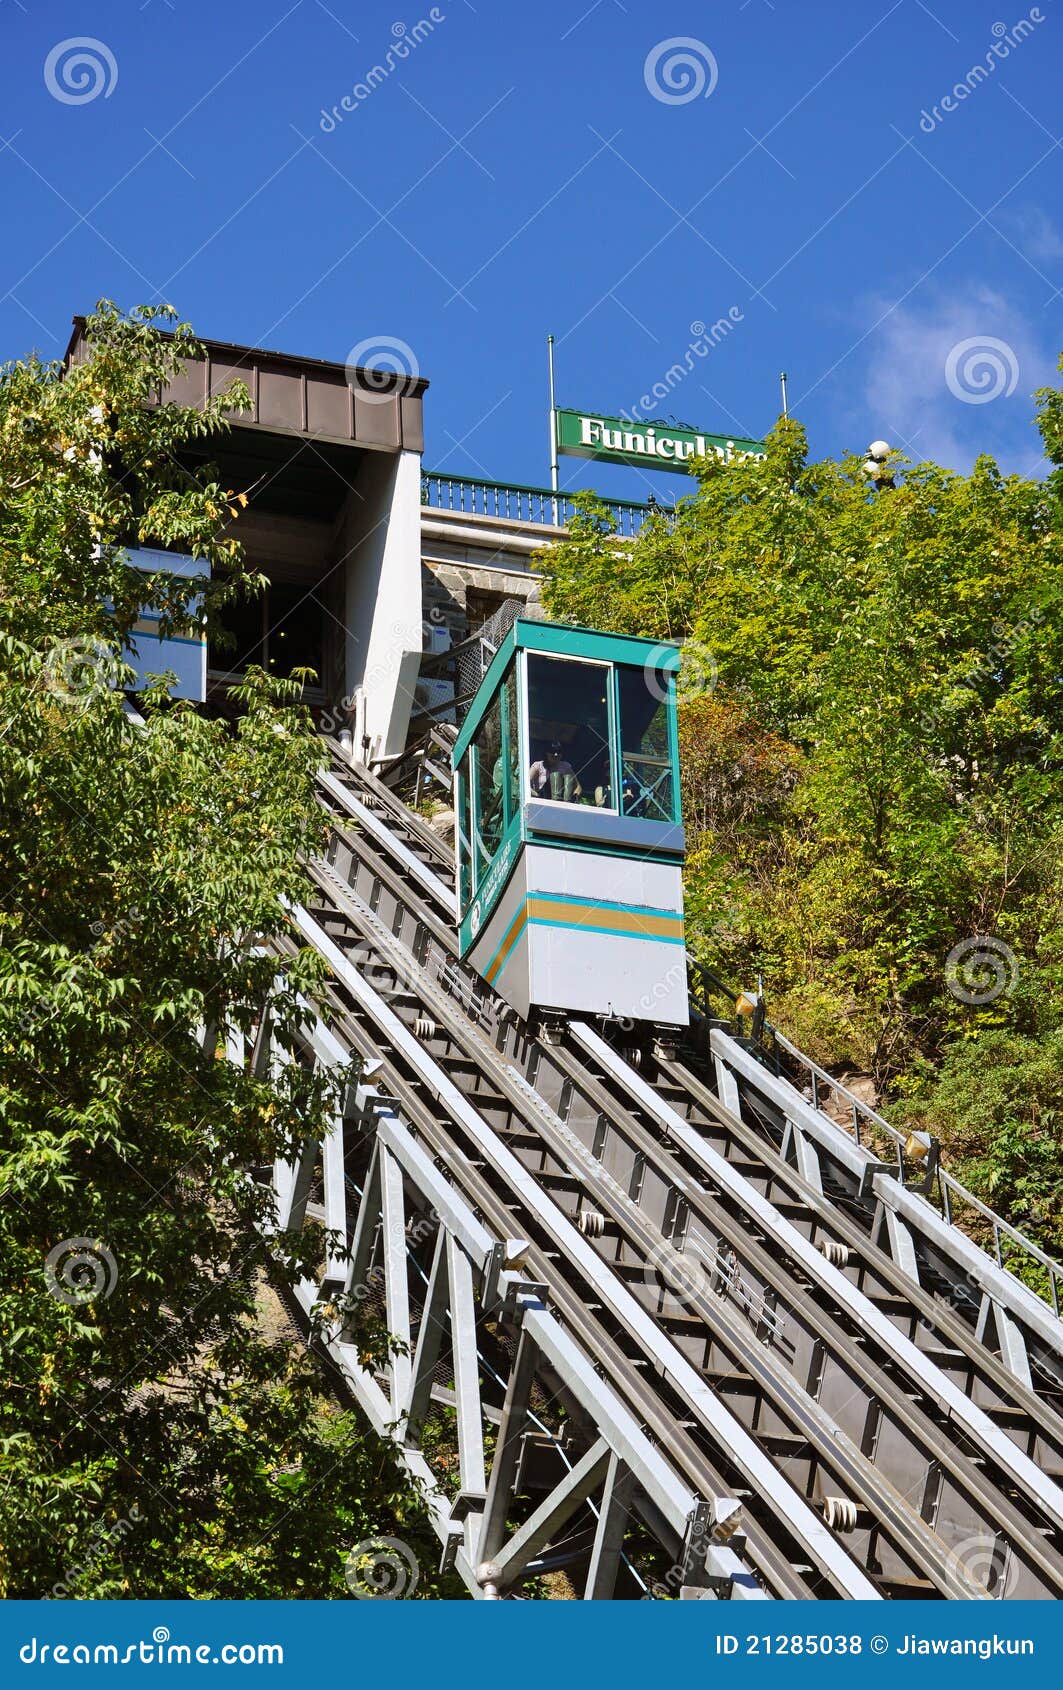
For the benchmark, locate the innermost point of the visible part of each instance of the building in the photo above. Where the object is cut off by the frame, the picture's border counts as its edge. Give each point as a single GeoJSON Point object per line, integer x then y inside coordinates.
{"type": "Point", "coordinates": [373, 565]}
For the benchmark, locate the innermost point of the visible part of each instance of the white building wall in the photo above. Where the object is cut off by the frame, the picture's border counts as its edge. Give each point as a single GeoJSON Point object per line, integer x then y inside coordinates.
{"type": "Point", "coordinates": [383, 598]}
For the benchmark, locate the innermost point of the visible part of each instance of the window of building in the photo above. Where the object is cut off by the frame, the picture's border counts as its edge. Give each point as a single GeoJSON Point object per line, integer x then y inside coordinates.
{"type": "Point", "coordinates": [243, 620]}
{"type": "Point", "coordinates": [280, 629]}
{"type": "Point", "coordinates": [646, 773]}
{"type": "Point", "coordinates": [569, 731]}
{"type": "Point", "coordinates": [295, 630]}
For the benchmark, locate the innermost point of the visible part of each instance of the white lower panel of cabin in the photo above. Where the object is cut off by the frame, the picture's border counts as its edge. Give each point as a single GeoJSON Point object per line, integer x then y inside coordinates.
{"type": "Point", "coordinates": [590, 934]}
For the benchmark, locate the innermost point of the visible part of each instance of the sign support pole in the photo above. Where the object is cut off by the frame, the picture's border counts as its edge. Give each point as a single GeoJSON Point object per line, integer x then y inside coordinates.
{"type": "Point", "coordinates": [553, 429]}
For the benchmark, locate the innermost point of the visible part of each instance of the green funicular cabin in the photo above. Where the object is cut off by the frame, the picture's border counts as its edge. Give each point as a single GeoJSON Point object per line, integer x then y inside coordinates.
{"type": "Point", "coordinates": [569, 838]}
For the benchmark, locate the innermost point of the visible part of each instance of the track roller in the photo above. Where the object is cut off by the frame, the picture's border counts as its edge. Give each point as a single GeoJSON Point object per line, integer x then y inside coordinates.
{"type": "Point", "coordinates": [839, 1514]}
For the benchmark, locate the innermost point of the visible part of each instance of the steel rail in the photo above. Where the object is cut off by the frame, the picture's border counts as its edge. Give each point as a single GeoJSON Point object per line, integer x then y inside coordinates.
{"type": "Point", "coordinates": [532, 1212]}
{"type": "Point", "coordinates": [893, 1364]}
{"type": "Point", "coordinates": [355, 778]}
{"type": "Point", "coordinates": [834, 1460]}
{"type": "Point", "coordinates": [736, 1064]}
{"type": "Point", "coordinates": [412, 863]}
{"type": "Point", "coordinates": [778, 1565]}
{"type": "Point", "coordinates": [1022, 1471]}
{"type": "Point", "coordinates": [933, 1232]}
{"type": "Point", "coordinates": [797, 1248]}
{"type": "Point", "coordinates": [441, 1171]}
{"type": "Point", "coordinates": [1030, 1422]}
{"type": "Point", "coordinates": [670, 1501]}
{"type": "Point", "coordinates": [952, 1193]}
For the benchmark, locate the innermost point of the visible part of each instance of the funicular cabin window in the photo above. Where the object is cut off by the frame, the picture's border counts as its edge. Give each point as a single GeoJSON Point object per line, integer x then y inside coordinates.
{"type": "Point", "coordinates": [646, 772]}
{"type": "Point", "coordinates": [568, 731]}
{"type": "Point", "coordinates": [464, 835]}
{"type": "Point", "coordinates": [487, 787]}
{"type": "Point", "coordinates": [511, 755]}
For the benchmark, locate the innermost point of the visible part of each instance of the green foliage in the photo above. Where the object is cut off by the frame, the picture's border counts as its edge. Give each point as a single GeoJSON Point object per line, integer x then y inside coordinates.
{"type": "Point", "coordinates": [998, 1102]}
{"type": "Point", "coordinates": [877, 775]}
{"type": "Point", "coordinates": [153, 1436]}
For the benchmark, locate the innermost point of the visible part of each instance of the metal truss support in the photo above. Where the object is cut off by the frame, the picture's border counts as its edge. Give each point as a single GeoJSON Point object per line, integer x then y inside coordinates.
{"type": "Point", "coordinates": [798, 1149]}
{"type": "Point", "coordinates": [609, 1535]}
{"type": "Point", "coordinates": [1010, 1344]}
{"type": "Point", "coordinates": [406, 1238]}
{"type": "Point", "coordinates": [890, 1234]}
{"type": "Point", "coordinates": [566, 1497]}
{"type": "Point", "coordinates": [910, 1219]}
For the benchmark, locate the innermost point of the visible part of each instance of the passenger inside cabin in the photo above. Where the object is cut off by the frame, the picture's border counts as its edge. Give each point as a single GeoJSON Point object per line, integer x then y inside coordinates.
{"type": "Point", "coordinates": [569, 724]}
{"type": "Point", "coordinates": [552, 776]}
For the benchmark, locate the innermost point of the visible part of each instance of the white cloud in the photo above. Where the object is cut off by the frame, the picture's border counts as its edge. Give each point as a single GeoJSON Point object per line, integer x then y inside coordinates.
{"type": "Point", "coordinates": [1035, 234]}
{"type": "Point", "coordinates": [953, 376]}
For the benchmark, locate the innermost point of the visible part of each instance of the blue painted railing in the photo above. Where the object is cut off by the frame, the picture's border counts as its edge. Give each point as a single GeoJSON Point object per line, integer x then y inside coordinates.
{"type": "Point", "coordinates": [515, 503]}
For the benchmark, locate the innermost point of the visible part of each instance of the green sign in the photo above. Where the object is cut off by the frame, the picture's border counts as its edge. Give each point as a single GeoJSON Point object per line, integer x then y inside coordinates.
{"type": "Point", "coordinates": [584, 434]}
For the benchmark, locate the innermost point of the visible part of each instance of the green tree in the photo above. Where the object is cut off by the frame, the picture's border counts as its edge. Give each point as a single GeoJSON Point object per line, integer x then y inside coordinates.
{"type": "Point", "coordinates": [997, 1101]}
{"type": "Point", "coordinates": [891, 666]}
{"type": "Point", "coordinates": [157, 1436]}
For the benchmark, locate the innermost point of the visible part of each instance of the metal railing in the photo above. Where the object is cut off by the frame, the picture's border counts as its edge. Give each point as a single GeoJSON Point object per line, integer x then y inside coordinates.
{"type": "Point", "coordinates": [717, 1002]}
{"type": "Point", "coordinates": [511, 502]}
{"type": "Point", "coordinates": [958, 1206]}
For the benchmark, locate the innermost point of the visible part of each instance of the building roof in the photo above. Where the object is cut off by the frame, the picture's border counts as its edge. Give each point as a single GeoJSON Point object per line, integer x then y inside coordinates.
{"type": "Point", "coordinates": [336, 403]}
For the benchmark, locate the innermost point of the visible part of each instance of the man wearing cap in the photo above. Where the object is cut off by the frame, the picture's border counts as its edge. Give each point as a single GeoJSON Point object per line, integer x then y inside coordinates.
{"type": "Point", "coordinates": [552, 776]}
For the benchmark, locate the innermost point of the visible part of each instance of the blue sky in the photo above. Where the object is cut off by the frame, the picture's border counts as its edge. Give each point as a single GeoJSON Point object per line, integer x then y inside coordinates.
{"type": "Point", "coordinates": [518, 172]}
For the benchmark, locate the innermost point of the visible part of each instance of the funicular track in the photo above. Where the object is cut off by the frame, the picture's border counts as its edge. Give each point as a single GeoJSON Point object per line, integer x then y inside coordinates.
{"type": "Point", "coordinates": [787, 1565]}
{"type": "Point", "coordinates": [844, 1180]}
{"type": "Point", "coordinates": [768, 1346]}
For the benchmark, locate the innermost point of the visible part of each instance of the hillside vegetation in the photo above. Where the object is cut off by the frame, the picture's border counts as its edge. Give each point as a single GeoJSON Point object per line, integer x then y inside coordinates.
{"type": "Point", "coordinates": [871, 732]}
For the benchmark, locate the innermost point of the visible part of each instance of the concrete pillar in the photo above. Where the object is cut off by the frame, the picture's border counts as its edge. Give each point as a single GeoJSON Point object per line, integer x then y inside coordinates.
{"type": "Point", "coordinates": [382, 561]}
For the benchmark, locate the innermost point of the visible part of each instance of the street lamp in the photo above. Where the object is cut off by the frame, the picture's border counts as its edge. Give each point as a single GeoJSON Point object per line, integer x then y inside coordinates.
{"type": "Point", "coordinates": [875, 467]}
